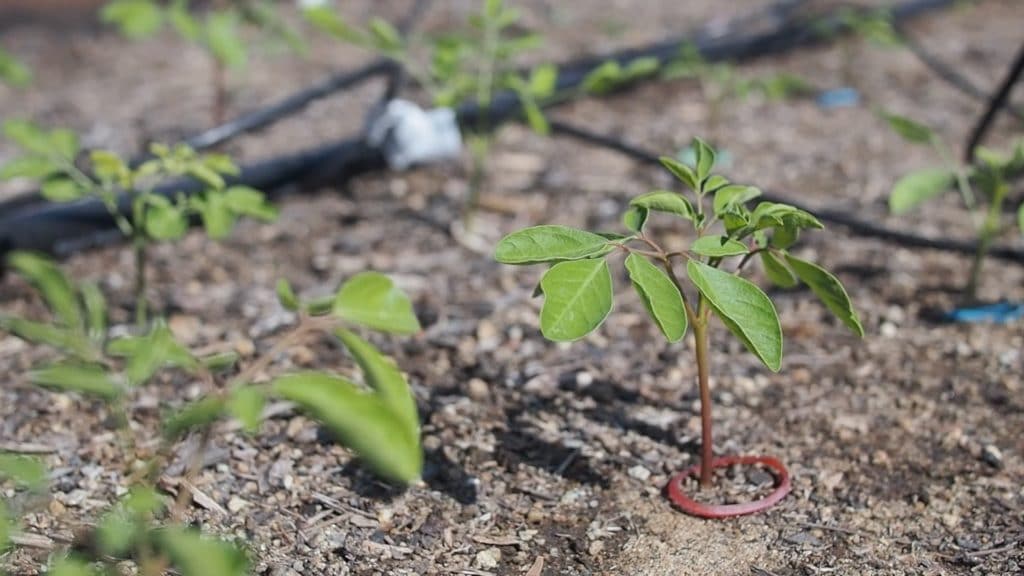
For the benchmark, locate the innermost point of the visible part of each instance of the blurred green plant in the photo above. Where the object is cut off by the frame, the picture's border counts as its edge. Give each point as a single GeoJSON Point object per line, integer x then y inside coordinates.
{"type": "Point", "coordinates": [473, 64]}
{"type": "Point", "coordinates": [376, 417]}
{"type": "Point", "coordinates": [577, 289]}
{"type": "Point", "coordinates": [219, 30]}
{"type": "Point", "coordinates": [12, 71]}
{"type": "Point", "coordinates": [984, 188]}
{"type": "Point", "coordinates": [51, 158]}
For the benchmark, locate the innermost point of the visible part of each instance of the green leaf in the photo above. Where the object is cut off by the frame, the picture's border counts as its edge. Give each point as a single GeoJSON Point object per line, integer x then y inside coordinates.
{"type": "Point", "coordinates": [61, 190]}
{"type": "Point", "coordinates": [360, 420]}
{"type": "Point", "coordinates": [543, 80]}
{"type": "Point", "coordinates": [28, 137]}
{"type": "Point", "coordinates": [250, 202]}
{"type": "Point", "coordinates": [718, 247]}
{"type": "Point", "coordinates": [64, 143]}
{"type": "Point", "coordinates": [705, 159]}
{"type": "Point", "coordinates": [634, 218]}
{"type": "Point", "coordinates": [829, 290]}
{"type": "Point", "coordinates": [95, 311]}
{"type": "Point", "coordinates": [381, 374]}
{"type": "Point", "coordinates": [918, 186]}
{"type": "Point", "coordinates": [715, 182]}
{"type": "Point", "coordinates": [55, 287]}
{"type": "Point", "coordinates": [194, 555]}
{"type": "Point", "coordinates": [109, 167]}
{"type": "Point", "coordinates": [681, 171]}
{"type": "Point", "coordinates": [326, 20]}
{"type": "Point", "coordinates": [183, 22]}
{"type": "Point", "coordinates": [728, 198]}
{"type": "Point", "coordinates": [776, 271]}
{"type": "Point", "coordinates": [15, 74]}
{"type": "Point", "coordinates": [1020, 218]}
{"type": "Point", "coordinates": [6, 527]}
{"type": "Point", "coordinates": [198, 414]}
{"type": "Point", "coordinates": [665, 201]}
{"type": "Point", "coordinates": [218, 219]}
{"type": "Point", "coordinates": [785, 236]}
{"type": "Point", "coordinates": [908, 129]}
{"type": "Point", "coordinates": [77, 377]}
{"type": "Point", "coordinates": [48, 334]}
{"type": "Point", "coordinates": [32, 167]}
{"type": "Point", "coordinates": [246, 405]}
{"type": "Point", "coordinates": [373, 300]}
{"type": "Point", "coordinates": [286, 296]}
{"type": "Point", "coordinates": [660, 296]}
{"type": "Point", "coordinates": [550, 244]}
{"type": "Point", "coordinates": [385, 37]}
{"type": "Point", "coordinates": [135, 18]}
{"type": "Point", "coordinates": [164, 220]}
{"type": "Point", "coordinates": [744, 309]}
{"type": "Point", "coordinates": [206, 175]}
{"type": "Point", "coordinates": [22, 470]}
{"type": "Point", "coordinates": [220, 361]}
{"type": "Point", "coordinates": [577, 299]}
{"type": "Point", "coordinates": [116, 532]}
{"type": "Point", "coordinates": [774, 215]}
{"type": "Point", "coordinates": [223, 39]}
{"type": "Point", "coordinates": [149, 353]}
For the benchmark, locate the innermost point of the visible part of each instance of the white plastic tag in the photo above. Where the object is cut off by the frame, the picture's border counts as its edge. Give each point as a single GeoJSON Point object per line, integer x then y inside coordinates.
{"type": "Point", "coordinates": [409, 135]}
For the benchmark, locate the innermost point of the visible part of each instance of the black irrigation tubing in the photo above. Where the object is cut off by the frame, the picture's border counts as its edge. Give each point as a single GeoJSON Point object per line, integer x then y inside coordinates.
{"type": "Point", "coordinates": [839, 217]}
{"type": "Point", "coordinates": [949, 74]}
{"type": "Point", "coordinates": [62, 229]}
{"type": "Point", "coordinates": [999, 100]}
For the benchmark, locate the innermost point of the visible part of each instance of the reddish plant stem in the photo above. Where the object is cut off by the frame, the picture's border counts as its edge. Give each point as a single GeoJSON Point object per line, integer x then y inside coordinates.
{"type": "Point", "coordinates": [700, 335]}
{"type": "Point", "coordinates": [220, 96]}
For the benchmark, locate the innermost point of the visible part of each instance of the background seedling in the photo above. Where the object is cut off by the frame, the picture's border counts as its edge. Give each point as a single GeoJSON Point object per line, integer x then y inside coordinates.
{"type": "Point", "coordinates": [473, 64]}
{"type": "Point", "coordinates": [983, 188]}
{"type": "Point", "coordinates": [578, 291]}
{"type": "Point", "coordinates": [218, 31]}
{"type": "Point", "coordinates": [51, 159]}
{"type": "Point", "coordinates": [378, 418]}
{"type": "Point", "coordinates": [12, 71]}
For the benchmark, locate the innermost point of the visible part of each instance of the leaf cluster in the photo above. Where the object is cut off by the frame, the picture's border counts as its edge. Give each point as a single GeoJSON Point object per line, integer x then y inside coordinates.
{"type": "Point", "coordinates": [217, 30]}
{"type": "Point", "coordinates": [475, 63]}
{"type": "Point", "coordinates": [690, 64]}
{"type": "Point", "coordinates": [52, 158]}
{"type": "Point", "coordinates": [578, 291]}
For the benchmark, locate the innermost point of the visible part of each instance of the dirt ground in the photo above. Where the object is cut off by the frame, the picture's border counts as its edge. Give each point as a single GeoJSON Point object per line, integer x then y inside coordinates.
{"type": "Point", "coordinates": [905, 448]}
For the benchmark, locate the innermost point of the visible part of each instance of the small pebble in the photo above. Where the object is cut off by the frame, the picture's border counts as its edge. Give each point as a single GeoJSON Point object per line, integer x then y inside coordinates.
{"type": "Point", "coordinates": [487, 558]}
{"type": "Point", "coordinates": [992, 456]}
{"type": "Point", "coordinates": [235, 504]}
{"type": "Point", "coordinates": [478, 389]}
{"type": "Point", "coordinates": [640, 473]}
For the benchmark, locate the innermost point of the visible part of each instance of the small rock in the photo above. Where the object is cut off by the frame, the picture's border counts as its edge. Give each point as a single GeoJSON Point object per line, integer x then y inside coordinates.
{"type": "Point", "coordinates": [478, 389]}
{"type": "Point", "coordinates": [57, 508]}
{"type": "Point", "coordinates": [640, 473]}
{"type": "Point", "coordinates": [245, 348]}
{"type": "Point", "coordinates": [303, 356]}
{"type": "Point", "coordinates": [888, 330]}
{"type": "Point", "coordinates": [536, 515]}
{"type": "Point", "coordinates": [992, 456]}
{"type": "Point", "coordinates": [803, 539]}
{"type": "Point", "coordinates": [487, 558]}
{"type": "Point", "coordinates": [596, 547]}
{"type": "Point", "coordinates": [584, 379]}
{"type": "Point", "coordinates": [235, 504]}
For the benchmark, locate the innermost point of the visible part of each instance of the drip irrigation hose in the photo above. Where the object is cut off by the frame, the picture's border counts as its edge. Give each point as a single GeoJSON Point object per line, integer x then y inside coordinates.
{"type": "Point", "coordinates": [999, 100]}
{"type": "Point", "coordinates": [839, 217]}
{"type": "Point", "coordinates": [62, 229]}
{"type": "Point", "coordinates": [950, 75]}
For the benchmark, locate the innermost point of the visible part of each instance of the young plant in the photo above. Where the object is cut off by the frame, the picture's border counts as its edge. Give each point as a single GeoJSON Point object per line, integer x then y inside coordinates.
{"type": "Point", "coordinates": [378, 419]}
{"type": "Point", "coordinates": [218, 31]}
{"type": "Point", "coordinates": [872, 25]}
{"type": "Point", "coordinates": [473, 65]}
{"type": "Point", "coordinates": [577, 289]}
{"type": "Point", "coordinates": [50, 158]}
{"type": "Point", "coordinates": [12, 71]}
{"type": "Point", "coordinates": [720, 82]}
{"type": "Point", "coordinates": [983, 189]}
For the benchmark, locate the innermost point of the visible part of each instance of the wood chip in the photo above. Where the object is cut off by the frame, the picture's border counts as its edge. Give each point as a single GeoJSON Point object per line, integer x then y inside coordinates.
{"type": "Point", "coordinates": [200, 498]}
{"type": "Point", "coordinates": [29, 540]}
{"type": "Point", "coordinates": [27, 448]}
{"type": "Point", "coordinates": [498, 540]}
{"type": "Point", "coordinates": [537, 568]}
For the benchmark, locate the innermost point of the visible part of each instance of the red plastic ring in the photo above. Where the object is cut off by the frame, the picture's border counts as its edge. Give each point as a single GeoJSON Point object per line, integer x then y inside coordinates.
{"type": "Point", "coordinates": [694, 508]}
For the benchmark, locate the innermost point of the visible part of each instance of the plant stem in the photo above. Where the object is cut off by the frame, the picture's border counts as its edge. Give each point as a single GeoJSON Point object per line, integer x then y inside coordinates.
{"type": "Point", "coordinates": [141, 306]}
{"type": "Point", "coordinates": [700, 335]}
{"type": "Point", "coordinates": [220, 95]}
{"type": "Point", "coordinates": [986, 236]}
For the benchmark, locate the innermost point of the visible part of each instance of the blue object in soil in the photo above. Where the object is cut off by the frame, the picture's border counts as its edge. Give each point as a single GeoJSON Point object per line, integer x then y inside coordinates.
{"type": "Point", "coordinates": [839, 98]}
{"type": "Point", "coordinates": [1001, 313]}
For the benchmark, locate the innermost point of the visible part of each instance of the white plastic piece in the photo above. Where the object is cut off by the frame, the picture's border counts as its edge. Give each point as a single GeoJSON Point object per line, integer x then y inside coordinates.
{"type": "Point", "coordinates": [409, 135]}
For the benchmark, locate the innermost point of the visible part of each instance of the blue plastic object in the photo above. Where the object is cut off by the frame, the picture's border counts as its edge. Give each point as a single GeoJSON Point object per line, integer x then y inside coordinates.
{"type": "Point", "coordinates": [1001, 313]}
{"type": "Point", "coordinates": [845, 97]}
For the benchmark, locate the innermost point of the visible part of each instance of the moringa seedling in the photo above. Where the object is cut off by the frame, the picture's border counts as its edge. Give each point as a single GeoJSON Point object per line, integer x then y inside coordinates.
{"type": "Point", "coordinates": [50, 158]}
{"type": "Point", "coordinates": [218, 31]}
{"type": "Point", "coordinates": [727, 235]}
{"type": "Point", "coordinates": [377, 417]}
{"type": "Point", "coordinates": [474, 64]}
{"type": "Point", "coordinates": [983, 189]}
